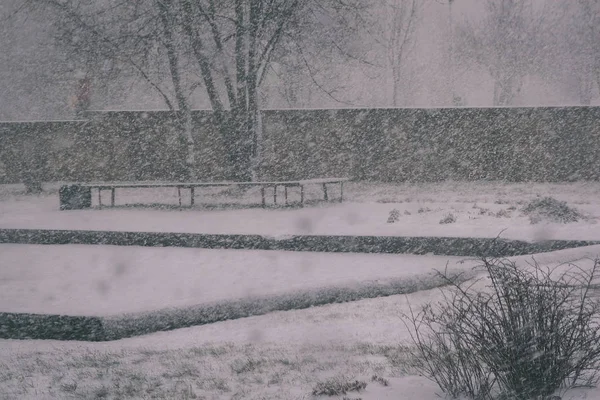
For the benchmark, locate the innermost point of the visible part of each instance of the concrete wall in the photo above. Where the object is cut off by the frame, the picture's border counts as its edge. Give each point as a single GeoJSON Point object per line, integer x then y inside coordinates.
{"type": "Point", "coordinates": [515, 144]}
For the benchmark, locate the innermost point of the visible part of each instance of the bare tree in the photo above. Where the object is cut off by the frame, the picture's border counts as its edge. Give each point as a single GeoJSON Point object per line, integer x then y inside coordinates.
{"type": "Point", "coordinates": [138, 37]}
{"type": "Point", "coordinates": [225, 47]}
{"type": "Point", "coordinates": [400, 39]}
{"type": "Point", "coordinates": [504, 43]}
{"type": "Point", "coordinates": [319, 53]}
{"type": "Point", "coordinates": [250, 30]}
{"type": "Point", "coordinates": [580, 45]}
{"type": "Point", "coordinates": [31, 88]}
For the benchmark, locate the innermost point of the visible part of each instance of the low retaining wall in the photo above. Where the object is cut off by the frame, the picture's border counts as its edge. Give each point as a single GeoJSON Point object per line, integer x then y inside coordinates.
{"type": "Point", "coordinates": [448, 246]}
{"type": "Point", "coordinates": [60, 327]}
{"type": "Point", "coordinates": [57, 327]}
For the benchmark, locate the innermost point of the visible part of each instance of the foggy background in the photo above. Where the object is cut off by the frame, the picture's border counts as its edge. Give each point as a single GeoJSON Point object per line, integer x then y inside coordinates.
{"type": "Point", "coordinates": [552, 50]}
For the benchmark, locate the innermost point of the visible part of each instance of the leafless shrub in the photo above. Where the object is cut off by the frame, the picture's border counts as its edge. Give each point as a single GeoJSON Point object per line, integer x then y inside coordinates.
{"type": "Point", "coordinates": [535, 331]}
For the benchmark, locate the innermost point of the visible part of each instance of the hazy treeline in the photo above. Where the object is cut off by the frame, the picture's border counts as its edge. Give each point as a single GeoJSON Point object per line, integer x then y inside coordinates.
{"type": "Point", "coordinates": [406, 53]}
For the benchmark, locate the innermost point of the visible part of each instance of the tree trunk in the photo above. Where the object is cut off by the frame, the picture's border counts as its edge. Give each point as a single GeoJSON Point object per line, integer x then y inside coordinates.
{"type": "Point", "coordinates": [252, 89]}
{"type": "Point", "coordinates": [239, 149]}
{"type": "Point", "coordinates": [396, 85]}
{"type": "Point", "coordinates": [598, 77]}
{"type": "Point", "coordinates": [502, 93]}
{"type": "Point", "coordinates": [236, 130]}
{"type": "Point", "coordinates": [32, 166]}
{"type": "Point", "coordinates": [32, 185]}
{"type": "Point", "coordinates": [258, 153]}
{"type": "Point", "coordinates": [184, 115]}
{"type": "Point", "coordinates": [190, 145]}
{"type": "Point", "coordinates": [232, 128]}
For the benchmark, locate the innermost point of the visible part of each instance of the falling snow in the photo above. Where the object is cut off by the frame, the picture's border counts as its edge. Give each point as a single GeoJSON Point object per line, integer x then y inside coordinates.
{"type": "Point", "coordinates": [246, 199]}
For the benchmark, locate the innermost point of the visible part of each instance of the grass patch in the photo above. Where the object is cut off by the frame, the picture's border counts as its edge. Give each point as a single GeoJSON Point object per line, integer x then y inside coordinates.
{"type": "Point", "coordinates": [337, 387]}
{"type": "Point", "coordinates": [252, 372]}
{"type": "Point", "coordinates": [242, 366]}
{"type": "Point", "coordinates": [68, 387]}
{"type": "Point", "coordinates": [504, 213]}
{"type": "Point", "coordinates": [380, 380]}
{"type": "Point", "coordinates": [181, 370]}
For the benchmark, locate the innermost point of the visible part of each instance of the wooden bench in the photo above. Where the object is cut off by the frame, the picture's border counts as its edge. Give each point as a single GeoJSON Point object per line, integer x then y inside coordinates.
{"type": "Point", "coordinates": [78, 196]}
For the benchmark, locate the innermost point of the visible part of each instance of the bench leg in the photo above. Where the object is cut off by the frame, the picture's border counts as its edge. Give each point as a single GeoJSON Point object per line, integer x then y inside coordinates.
{"type": "Point", "coordinates": [192, 196]}
{"type": "Point", "coordinates": [99, 198]}
{"type": "Point", "coordinates": [341, 192]}
{"type": "Point", "coordinates": [325, 197]}
{"type": "Point", "coordinates": [179, 195]}
{"type": "Point", "coordinates": [285, 194]}
{"type": "Point", "coordinates": [301, 195]}
{"type": "Point", "coordinates": [275, 194]}
{"type": "Point", "coordinates": [112, 197]}
{"type": "Point", "coordinates": [262, 193]}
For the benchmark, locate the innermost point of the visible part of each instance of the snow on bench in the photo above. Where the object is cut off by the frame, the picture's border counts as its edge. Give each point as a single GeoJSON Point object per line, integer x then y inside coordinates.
{"type": "Point", "coordinates": [79, 195]}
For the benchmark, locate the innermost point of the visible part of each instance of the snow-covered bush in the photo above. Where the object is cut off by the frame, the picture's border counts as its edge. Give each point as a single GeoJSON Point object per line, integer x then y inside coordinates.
{"type": "Point", "coordinates": [531, 332]}
{"type": "Point", "coordinates": [552, 210]}
{"type": "Point", "coordinates": [394, 216]}
{"type": "Point", "coordinates": [448, 219]}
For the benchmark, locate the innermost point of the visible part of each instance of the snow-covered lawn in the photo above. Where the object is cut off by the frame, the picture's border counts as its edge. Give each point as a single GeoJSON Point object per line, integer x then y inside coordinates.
{"type": "Point", "coordinates": [480, 209]}
{"type": "Point", "coordinates": [282, 355]}
{"type": "Point", "coordinates": [107, 280]}
{"type": "Point", "coordinates": [277, 356]}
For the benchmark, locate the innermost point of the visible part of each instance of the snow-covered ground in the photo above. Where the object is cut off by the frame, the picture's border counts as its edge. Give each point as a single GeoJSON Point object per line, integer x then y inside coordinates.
{"type": "Point", "coordinates": [106, 280]}
{"type": "Point", "coordinates": [277, 356]}
{"type": "Point", "coordinates": [281, 355]}
{"type": "Point", "coordinates": [480, 209]}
